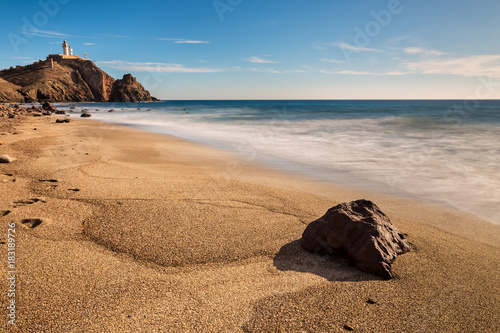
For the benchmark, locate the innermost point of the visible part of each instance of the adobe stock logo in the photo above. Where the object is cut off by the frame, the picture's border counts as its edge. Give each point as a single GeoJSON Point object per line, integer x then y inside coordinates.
{"type": "Point", "coordinates": [223, 6]}
{"type": "Point", "coordinates": [49, 9]}
{"type": "Point", "coordinates": [364, 37]}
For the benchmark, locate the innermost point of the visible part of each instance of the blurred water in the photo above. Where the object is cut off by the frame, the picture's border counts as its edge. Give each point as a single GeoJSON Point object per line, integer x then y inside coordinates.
{"type": "Point", "coordinates": [441, 151]}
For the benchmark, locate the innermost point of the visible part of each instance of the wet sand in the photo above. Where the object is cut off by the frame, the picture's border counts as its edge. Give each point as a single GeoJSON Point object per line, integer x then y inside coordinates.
{"type": "Point", "coordinates": [141, 232]}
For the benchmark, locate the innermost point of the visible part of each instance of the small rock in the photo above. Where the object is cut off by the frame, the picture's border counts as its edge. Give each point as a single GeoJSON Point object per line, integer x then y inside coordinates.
{"type": "Point", "coordinates": [112, 110]}
{"type": "Point", "coordinates": [11, 115]}
{"type": "Point", "coordinates": [61, 112]}
{"type": "Point", "coordinates": [37, 114]}
{"type": "Point", "coordinates": [48, 107]}
{"type": "Point", "coordinates": [47, 113]}
{"type": "Point", "coordinates": [149, 110]}
{"type": "Point", "coordinates": [72, 108]}
{"type": "Point", "coordinates": [348, 328]}
{"type": "Point", "coordinates": [34, 129]}
{"type": "Point", "coordinates": [61, 121]}
{"type": "Point", "coordinates": [370, 301]}
{"type": "Point", "coordinates": [86, 115]}
{"type": "Point", "coordinates": [6, 159]}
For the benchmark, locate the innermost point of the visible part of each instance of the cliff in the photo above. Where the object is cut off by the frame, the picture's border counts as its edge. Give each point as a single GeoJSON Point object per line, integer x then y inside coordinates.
{"type": "Point", "coordinates": [75, 80]}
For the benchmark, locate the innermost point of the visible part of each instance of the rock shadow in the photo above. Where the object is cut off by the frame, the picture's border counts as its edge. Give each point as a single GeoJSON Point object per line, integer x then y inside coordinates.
{"type": "Point", "coordinates": [292, 257]}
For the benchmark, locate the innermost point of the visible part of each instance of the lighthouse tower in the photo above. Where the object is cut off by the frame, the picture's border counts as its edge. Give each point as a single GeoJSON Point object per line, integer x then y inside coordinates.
{"type": "Point", "coordinates": [66, 48]}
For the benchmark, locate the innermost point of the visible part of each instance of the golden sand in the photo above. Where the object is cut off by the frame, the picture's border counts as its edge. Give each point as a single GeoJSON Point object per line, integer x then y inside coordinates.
{"type": "Point", "coordinates": [142, 232]}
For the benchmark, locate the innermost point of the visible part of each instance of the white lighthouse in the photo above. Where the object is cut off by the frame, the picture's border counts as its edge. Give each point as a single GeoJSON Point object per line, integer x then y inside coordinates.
{"type": "Point", "coordinates": [66, 48]}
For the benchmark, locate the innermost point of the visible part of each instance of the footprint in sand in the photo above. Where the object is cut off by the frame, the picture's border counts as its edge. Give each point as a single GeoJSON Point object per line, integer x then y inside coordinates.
{"type": "Point", "coordinates": [7, 178]}
{"type": "Point", "coordinates": [21, 203]}
{"type": "Point", "coordinates": [53, 183]}
{"type": "Point", "coordinates": [31, 223]}
{"type": "Point", "coordinates": [4, 212]}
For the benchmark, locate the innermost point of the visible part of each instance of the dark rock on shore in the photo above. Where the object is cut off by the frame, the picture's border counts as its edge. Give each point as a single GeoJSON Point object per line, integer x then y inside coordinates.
{"type": "Point", "coordinates": [48, 107]}
{"type": "Point", "coordinates": [360, 231]}
{"type": "Point", "coordinates": [61, 121]}
{"type": "Point", "coordinates": [86, 115]}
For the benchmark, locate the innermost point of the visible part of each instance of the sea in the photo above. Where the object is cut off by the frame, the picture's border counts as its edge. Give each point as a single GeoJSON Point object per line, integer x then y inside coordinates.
{"type": "Point", "coordinates": [441, 151]}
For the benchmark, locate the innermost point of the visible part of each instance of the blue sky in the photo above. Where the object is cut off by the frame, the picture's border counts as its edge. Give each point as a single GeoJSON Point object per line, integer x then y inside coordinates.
{"type": "Point", "coordinates": [271, 49]}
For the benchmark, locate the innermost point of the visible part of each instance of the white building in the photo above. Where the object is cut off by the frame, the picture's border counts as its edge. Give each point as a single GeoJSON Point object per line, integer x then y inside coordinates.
{"type": "Point", "coordinates": [67, 50]}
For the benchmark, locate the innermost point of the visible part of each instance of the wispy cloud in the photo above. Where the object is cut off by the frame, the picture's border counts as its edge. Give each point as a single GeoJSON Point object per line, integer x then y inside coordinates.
{"type": "Point", "coordinates": [184, 41]}
{"type": "Point", "coordinates": [154, 67]}
{"type": "Point", "coordinates": [422, 51]}
{"type": "Point", "coordinates": [191, 42]}
{"type": "Point", "coordinates": [349, 72]}
{"type": "Point", "coordinates": [269, 70]}
{"type": "Point", "coordinates": [479, 65]}
{"type": "Point", "coordinates": [333, 61]}
{"type": "Point", "coordinates": [45, 33]}
{"type": "Point", "coordinates": [350, 47]}
{"type": "Point", "coordinates": [89, 44]}
{"type": "Point", "coordinates": [23, 58]}
{"type": "Point", "coordinates": [260, 60]}
{"type": "Point", "coordinates": [53, 34]}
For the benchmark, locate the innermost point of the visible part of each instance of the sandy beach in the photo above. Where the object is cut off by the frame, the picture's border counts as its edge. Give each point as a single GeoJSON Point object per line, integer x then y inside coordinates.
{"type": "Point", "coordinates": [133, 231]}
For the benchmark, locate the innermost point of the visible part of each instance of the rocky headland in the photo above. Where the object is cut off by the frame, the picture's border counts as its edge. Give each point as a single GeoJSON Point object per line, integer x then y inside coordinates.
{"type": "Point", "coordinates": [68, 80]}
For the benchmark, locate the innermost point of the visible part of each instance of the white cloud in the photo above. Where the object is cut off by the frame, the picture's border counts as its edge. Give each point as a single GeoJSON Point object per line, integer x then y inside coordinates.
{"type": "Point", "coordinates": [44, 33]}
{"type": "Point", "coordinates": [350, 47]}
{"type": "Point", "coordinates": [184, 41]}
{"type": "Point", "coordinates": [23, 58]}
{"type": "Point", "coordinates": [480, 65]}
{"type": "Point", "coordinates": [333, 61]}
{"type": "Point", "coordinates": [419, 50]}
{"type": "Point", "coordinates": [154, 67]}
{"type": "Point", "coordinates": [259, 60]}
{"type": "Point", "coordinates": [88, 44]}
{"type": "Point", "coordinates": [191, 42]}
{"type": "Point", "coordinates": [347, 72]}
{"type": "Point", "coordinates": [270, 70]}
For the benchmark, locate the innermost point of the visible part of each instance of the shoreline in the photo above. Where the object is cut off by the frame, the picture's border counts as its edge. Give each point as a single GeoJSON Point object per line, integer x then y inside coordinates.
{"type": "Point", "coordinates": [144, 230]}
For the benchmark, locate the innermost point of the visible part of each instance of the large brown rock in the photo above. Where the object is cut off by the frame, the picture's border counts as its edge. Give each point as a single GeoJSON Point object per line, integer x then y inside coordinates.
{"type": "Point", "coordinates": [360, 231]}
{"type": "Point", "coordinates": [129, 89]}
{"type": "Point", "coordinates": [70, 80]}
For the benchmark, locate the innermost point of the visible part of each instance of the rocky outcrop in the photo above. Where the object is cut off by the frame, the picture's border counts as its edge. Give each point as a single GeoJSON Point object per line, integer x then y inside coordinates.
{"type": "Point", "coordinates": [73, 80]}
{"type": "Point", "coordinates": [129, 89]}
{"type": "Point", "coordinates": [10, 92]}
{"type": "Point", "coordinates": [360, 231]}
